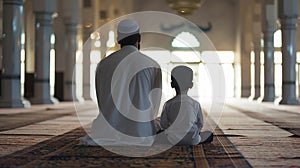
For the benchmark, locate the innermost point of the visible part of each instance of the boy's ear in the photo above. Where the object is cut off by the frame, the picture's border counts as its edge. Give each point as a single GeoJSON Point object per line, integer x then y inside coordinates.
{"type": "Point", "coordinates": [172, 84]}
{"type": "Point", "coordinates": [139, 39]}
{"type": "Point", "coordinates": [191, 84]}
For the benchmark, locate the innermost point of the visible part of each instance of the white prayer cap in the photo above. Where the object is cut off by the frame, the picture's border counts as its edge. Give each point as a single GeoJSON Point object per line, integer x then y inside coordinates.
{"type": "Point", "coordinates": [126, 28]}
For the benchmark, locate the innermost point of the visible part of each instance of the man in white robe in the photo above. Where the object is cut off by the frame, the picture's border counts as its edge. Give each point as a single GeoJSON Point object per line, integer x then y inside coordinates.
{"type": "Point", "coordinates": [128, 87]}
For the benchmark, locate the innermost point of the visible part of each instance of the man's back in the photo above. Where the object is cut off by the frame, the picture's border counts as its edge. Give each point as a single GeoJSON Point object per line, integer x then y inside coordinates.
{"type": "Point", "coordinates": [124, 81]}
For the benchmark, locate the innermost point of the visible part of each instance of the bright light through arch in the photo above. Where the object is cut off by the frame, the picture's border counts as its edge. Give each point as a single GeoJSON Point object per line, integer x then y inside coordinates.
{"type": "Point", "coordinates": [185, 40]}
{"type": "Point", "coordinates": [277, 39]}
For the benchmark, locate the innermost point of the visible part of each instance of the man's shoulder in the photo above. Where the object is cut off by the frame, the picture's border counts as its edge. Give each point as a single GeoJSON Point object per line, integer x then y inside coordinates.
{"type": "Point", "coordinates": [138, 56]}
{"type": "Point", "coordinates": [109, 58]}
{"type": "Point", "coordinates": [152, 61]}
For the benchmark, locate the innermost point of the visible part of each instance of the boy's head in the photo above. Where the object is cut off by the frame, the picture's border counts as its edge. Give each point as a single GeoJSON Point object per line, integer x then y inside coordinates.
{"type": "Point", "coordinates": [182, 78]}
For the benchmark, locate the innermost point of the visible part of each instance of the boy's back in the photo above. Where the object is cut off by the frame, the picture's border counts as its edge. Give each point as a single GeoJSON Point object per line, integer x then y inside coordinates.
{"type": "Point", "coordinates": [182, 118]}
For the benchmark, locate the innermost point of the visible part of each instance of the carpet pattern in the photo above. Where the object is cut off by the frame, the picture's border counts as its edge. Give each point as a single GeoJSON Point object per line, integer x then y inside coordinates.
{"type": "Point", "coordinates": [12, 121]}
{"type": "Point", "coordinates": [291, 125]}
{"type": "Point", "coordinates": [64, 151]}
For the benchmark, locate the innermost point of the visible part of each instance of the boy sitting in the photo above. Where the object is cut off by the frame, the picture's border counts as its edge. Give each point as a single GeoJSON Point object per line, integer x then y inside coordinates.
{"type": "Point", "coordinates": [182, 117]}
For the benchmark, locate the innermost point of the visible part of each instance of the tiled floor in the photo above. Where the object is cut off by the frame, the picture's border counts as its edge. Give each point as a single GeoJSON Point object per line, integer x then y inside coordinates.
{"type": "Point", "coordinates": [267, 135]}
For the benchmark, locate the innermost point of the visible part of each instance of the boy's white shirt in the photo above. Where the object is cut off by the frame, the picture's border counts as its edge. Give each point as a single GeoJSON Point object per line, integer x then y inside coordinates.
{"type": "Point", "coordinates": [187, 125]}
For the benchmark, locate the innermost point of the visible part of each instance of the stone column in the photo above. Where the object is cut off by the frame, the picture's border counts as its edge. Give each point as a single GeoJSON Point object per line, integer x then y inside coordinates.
{"type": "Point", "coordinates": [243, 49]}
{"type": "Point", "coordinates": [71, 18]}
{"type": "Point", "coordinates": [86, 71]}
{"type": "Point", "coordinates": [11, 50]}
{"type": "Point", "coordinates": [43, 10]}
{"type": "Point", "coordinates": [69, 74]}
{"type": "Point", "coordinates": [256, 47]}
{"type": "Point", "coordinates": [298, 80]}
{"type": "Point", "coordinates": [0, 61]}
{"type": "Point", "coordinates": [288, 13]}
{"type": "Point", "coordinates": [268, 27]}
{"type": "Point", "coordinates": [257, 91]}
{"type": "Point", "coordinates": [29, 18]}
{"type": "Point", "coordinates": [89, 25]}
{"type": "Point", "coordinates": [1, 21]}
{"type": "Point", "coordinates": [86, 65]}
{"type": "Point", "coordinates": [60, 36]}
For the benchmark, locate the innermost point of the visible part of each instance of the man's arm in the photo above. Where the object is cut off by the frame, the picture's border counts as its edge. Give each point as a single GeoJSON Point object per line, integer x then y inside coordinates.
{"type": "Point", "coordinates": [164, 122]}
{"type": "Point", "coordinates": [158, 79]}
{"type": "Point", "coordinates": [156, 95]}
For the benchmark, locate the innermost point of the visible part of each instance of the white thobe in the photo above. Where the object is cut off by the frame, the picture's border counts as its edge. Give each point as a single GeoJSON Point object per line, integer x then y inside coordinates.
{"type": "Point", "coordinates": [182, 120]}
{"type": "Point", "coordinates": [128, 87]}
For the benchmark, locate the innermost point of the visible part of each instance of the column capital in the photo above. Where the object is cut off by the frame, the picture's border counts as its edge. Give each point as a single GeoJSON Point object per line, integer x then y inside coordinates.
{"type": "Point", "coordinates": [43, 18]}
{"type": "Point", "coordinates": [269, 16]}
{"type": "Point", "coordinates": [288, 9]}
{"type": "Point", "coordinates": [268, 35]}
{"type": "Point", "coordinates": [71, 11]}
{"type": "Point", "coordinates": [12, 2]}
{"type": "Point", "coordinates": [269, 29]}
{"type": "Point", "coordinates": [48, 6]}
{"type": "Point", "coordinates": [71, 28]}
{"type": "Point", "coordinates": [288, 23]}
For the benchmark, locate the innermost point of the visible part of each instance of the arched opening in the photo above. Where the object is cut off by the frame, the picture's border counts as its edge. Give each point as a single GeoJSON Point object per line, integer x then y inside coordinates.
{"type": "Point", "coordinates": [185, 50]}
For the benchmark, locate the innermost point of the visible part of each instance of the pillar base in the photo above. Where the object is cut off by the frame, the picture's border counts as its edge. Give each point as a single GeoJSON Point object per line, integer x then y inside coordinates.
{"type": "Point", "coordinates": [73, 99]}
{"type": "Point", "coordinates": [268, 99]}
{"type": "Point", "coordinates": [17, 103]}
{"type": "Point", "coordinates": [250, 98]}
{"type": "Point", "coordinates": [29, 85]}
{"type": "Point", "coordinates": [70, 93]}
{"type": "Point", "coordinates": [86, 94]}
{"type": "Point", "coordinates": [253, 98]}
{"type": "Point", "coordinates": [260, 99]}
{"type": "Point", "coordinates": [291, 101]}
{"type": "Point", "coordinates": [80, 99]}
{"type": "Point", "coordinates": [85, 98]}
{"type": "Point", "coordinates": [245, 93]}
{"type": "Point", "coordinates": [51, 100]}
{"type": "Point", "coordinates": [256, 96]}
{"type": "Point", "coordinates": [59, 86]}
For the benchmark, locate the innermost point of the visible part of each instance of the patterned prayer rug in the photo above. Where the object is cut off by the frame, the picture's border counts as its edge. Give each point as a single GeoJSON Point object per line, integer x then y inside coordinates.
{"type": "Point", "coordinates": [64, 151]}
{"type": "Point", "coordinates": [12, 121]}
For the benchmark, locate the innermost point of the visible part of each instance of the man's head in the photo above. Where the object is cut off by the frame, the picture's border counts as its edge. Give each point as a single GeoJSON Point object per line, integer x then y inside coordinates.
{"type": "Point", "coordinates": [182, 78]}
{"type": "Point", "coordinates": [128, 32]}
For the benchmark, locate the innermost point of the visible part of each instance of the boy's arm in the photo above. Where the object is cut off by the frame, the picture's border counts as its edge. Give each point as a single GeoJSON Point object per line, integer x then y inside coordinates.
{"type": "Point", "coordinates": [200, 118]}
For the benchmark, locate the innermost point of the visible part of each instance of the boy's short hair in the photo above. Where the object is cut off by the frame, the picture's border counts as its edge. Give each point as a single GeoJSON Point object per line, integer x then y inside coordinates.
{"type": "Point", "coordinates": [182, 77]}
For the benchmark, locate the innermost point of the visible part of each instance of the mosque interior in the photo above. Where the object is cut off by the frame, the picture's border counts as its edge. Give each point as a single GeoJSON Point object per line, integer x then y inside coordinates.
{"type": "Point", "coordinates": [245, 55]}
